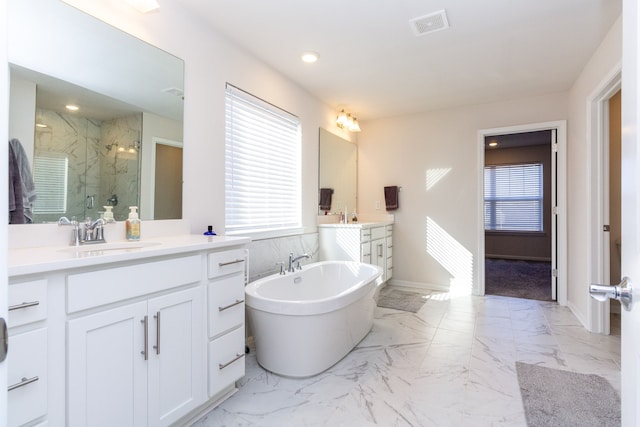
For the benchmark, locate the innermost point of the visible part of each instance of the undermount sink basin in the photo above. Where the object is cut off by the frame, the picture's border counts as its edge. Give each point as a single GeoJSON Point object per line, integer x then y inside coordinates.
{"type": "Point", "coordinates": [115, 246]}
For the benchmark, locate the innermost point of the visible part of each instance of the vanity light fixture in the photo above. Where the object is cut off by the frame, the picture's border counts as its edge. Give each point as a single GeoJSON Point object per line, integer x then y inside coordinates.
{"type": "Point", "coordinates": [310, 57]}
{"type": "Point", "coordinates": [72, 107]}
{"type": "Point", "coordinates": [347, 121]}
{"type": "Point", "coordinates": [493, 144]}
{"type": "Point", "coordinates": [41, 125]}
{"type": "Point", "coordinates": [144, 6]}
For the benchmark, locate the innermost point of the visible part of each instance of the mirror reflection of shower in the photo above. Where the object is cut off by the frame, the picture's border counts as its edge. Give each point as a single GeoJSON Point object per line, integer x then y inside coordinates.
{"type": "Point", "coordinates": [104, 161]}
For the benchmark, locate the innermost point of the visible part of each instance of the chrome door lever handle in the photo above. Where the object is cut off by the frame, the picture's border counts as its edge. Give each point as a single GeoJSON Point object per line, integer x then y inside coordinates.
{"type": "Point", "coordinates": [621, 292]}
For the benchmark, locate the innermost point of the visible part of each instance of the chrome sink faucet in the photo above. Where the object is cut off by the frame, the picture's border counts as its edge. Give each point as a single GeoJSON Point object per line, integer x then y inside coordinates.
{"type": "Point", "coordinates": [91, 232]}
{"type": "Point", "coordinates": [293, 259]}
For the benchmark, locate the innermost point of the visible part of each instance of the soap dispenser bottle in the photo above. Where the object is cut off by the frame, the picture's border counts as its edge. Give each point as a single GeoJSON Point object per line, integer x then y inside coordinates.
{"type": "Point", "coordinates": [108, 213]}
{"type": "Point", "coordinates": [133, 224]}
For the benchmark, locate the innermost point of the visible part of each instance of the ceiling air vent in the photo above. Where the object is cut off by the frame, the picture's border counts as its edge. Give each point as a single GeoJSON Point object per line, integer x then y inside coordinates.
{"type": "Point", "coordinates": [429, 23]}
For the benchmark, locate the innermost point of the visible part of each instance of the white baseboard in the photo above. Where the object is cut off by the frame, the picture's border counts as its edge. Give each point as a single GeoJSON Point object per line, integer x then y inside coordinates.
{"type": "Point", "coordinates": [582, 319]}
{"type": "Point", "coordinates": [419, 285]}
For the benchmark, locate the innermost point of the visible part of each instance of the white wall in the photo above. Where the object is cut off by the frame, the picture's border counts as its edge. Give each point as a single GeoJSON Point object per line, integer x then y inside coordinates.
{"type": "Point", "coordinates": [602, 64]}
{"type": "Point", "coordinates": [23, 113]}
{"type": "Point", "coordinates": [434, 158]}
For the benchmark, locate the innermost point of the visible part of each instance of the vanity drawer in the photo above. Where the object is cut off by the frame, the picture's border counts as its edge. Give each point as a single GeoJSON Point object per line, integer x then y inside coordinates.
{"type": "Point", "coordinates": [225, 299]}
{"type": "Point", "coordinates": [389, 229]}
{"type": "Point", "coordinates": [27, 302]}
{"type": "Point", "coordinates": [365, 251]}
{"type": "Point", "coordinates": [27, 377]}
{"type": "Point", "coordinates": [226, 262]}
{"type": "Point", "coordinates": [377, 233]}
{"type": "Point", "coordinates": [226, 360]}
{"type": "Point", "coordinates": [365, 234]}
{"type": "Point", "coordinates": [96, 288]}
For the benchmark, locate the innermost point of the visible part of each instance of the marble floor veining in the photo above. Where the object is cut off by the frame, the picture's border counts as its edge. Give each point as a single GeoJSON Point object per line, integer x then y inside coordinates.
{"type": "Point", "coordinates": [450, 364]}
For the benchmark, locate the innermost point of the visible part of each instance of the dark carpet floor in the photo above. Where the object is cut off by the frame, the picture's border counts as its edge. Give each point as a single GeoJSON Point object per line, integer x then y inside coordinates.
{"type": "Point", "coordinates": [518, 278]}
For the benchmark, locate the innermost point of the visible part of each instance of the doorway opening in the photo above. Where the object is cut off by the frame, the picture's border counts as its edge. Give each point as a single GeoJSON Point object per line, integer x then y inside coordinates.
{"type": "Point", "coordinates": [556, 134]}
{"type": "Point", "coordinates": [604, 134]}
{"type": "Point", "coordinates": [613, 190]}
{"type": "Point", "coordinates": [166, 186]}
{"type": "Point", "coordinates": [518, 215]}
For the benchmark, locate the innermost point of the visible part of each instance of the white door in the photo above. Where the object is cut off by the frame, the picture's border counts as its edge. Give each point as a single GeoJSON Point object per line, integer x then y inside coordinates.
{"type": "Point", "coordinates": [630, 373]}
{"type": "Point", "coordinates": [4, 126]}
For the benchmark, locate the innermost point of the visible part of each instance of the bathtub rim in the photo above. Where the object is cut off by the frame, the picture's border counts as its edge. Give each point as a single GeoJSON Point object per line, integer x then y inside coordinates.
{"type": "Point", "coordinates": [317, 306]}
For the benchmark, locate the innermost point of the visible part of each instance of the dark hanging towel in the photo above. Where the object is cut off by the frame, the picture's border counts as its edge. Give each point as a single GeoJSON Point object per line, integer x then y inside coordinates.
{"type": "Point", "coordinates": [16, 208]}
{"type": "Point", "coordinates": [325, 199]}
{"type": "Point", "coordinates": [391, 197]}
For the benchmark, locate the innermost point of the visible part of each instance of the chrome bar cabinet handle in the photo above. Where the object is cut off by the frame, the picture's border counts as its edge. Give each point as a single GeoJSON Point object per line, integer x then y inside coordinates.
{"type": "Point", "coordinates": [24, 305]}
{"type": "Point", "coordinates": [23, 383]}
{"type": "Point", "coordinates": [238, 301]}
{"type": "Point", "coordinates": [221, 366]}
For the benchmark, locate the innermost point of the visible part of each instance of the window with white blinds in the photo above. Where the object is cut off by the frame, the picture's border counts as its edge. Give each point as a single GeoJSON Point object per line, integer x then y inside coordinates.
{"type": "Point", "coordinates": [513, 197]}
{"type": "Point", "coordinates": [50, 180]}
{"type": "Point", "coordinates": [262, 165]}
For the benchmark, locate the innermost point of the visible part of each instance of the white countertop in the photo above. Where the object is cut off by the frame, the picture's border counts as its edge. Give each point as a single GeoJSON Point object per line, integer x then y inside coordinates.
{"type": "Point", "coordinates": [356, 224]}
{"type": "Point", "coordinates": [22, 261]}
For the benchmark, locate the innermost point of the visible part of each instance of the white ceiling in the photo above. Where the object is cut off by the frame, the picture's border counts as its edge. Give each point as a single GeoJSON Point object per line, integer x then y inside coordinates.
{"type": "Point", "coordinates": [372, 64]}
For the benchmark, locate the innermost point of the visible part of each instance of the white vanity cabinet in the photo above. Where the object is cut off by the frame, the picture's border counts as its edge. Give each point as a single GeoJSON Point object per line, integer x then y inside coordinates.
{"type": "Point", "coordinates": [27, 358]}
{"type": "Point", "coordinates": [153, 339]}
{"type": "Point", "coordinates": [370, 243]}
{"type": "Point", "coordinates": [145, 357]}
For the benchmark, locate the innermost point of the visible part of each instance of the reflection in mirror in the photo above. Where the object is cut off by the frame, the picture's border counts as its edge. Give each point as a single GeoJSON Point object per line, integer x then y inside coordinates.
{"type": "Point", "coordinates": [338, 172]}
{"type": "Point", "coordinates": [129, 95]}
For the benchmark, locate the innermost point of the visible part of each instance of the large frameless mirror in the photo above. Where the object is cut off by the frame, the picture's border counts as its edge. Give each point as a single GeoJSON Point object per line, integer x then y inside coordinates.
{"type": "Point", "coordinates": [338, 171]}
{"type": "Point", "coordinates": [122, 146]}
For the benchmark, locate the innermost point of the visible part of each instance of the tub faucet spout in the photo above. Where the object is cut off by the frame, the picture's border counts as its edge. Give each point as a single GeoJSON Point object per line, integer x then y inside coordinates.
{"type": "Point", "coordinates": [293, 259]}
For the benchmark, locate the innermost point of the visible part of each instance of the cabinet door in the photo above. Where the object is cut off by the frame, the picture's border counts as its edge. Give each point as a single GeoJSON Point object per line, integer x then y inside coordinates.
{"type": "Point", "coordinates": [177, 365]}
{"type": "Point", "coordinates": [107, 377]}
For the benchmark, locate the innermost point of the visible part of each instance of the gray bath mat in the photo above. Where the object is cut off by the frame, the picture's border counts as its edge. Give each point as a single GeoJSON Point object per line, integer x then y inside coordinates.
{"type": "Point", "coordinates": [552, 397]}
{"type": "Point", "coordinates": [401, 300]}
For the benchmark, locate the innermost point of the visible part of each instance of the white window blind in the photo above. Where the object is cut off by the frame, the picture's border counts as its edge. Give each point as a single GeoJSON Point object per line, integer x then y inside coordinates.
{"type": "Point", "coordinates": [50, 180]}
{"type": "Point", "coordinates": [513, 197]}
{"type": "Point", "coordinates": [262, 165]}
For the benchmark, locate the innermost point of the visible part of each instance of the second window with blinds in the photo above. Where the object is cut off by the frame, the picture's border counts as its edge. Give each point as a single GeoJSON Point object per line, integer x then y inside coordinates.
{"type": "Point", "coordinates": [262, 165]}
{"type": "Point", "coordinates": [513, 198]}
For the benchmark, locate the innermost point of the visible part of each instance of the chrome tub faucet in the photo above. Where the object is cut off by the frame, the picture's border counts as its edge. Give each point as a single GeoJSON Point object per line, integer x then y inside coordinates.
{"type": "Point", "coordinates": [293, 259]}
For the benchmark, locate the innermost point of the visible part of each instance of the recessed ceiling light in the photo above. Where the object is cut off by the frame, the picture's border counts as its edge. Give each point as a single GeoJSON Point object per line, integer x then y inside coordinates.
{"type": "Point", "coordinates": [71, 107]}
{"type": "Point", "coordinates": [310, 57]}
{"type": "Point", "coordinates": [493, 144]}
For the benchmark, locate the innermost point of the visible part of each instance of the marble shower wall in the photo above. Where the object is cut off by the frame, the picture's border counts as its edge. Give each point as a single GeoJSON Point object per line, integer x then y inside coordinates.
{"type": "Point", "coordinates": [264, 254]}
{"type": "Point", "coordinates": [120, 164]}
{"type": "Point", "coordinates": [77, 139]}
{"type": "Point", "coordinates": [96, 167]}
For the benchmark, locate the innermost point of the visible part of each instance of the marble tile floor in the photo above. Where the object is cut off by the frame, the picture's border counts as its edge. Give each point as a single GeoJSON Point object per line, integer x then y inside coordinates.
{"type": "Point", "coordinates": [450, 364]}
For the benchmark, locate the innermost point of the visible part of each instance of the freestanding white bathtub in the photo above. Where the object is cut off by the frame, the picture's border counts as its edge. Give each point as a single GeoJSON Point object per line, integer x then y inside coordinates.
{"type": "Point", "coordinates": [304, 322]}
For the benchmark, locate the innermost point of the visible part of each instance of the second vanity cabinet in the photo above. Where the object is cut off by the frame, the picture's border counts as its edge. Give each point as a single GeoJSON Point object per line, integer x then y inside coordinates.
{"type": "Point", "coordinates": [147, 342]}
{"type": "Point", "coordinates": [371, 243]}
